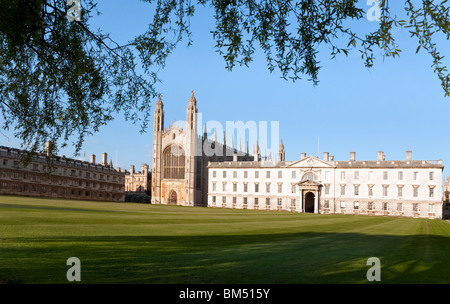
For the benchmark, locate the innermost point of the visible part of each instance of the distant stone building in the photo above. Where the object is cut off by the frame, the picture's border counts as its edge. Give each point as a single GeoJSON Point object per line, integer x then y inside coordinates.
{"type": "Point", "coordinates": [138, 181]}
{"type": "Point", "coordinates": [137, 185]}
{"type": "Point", "coordinates": [68, 178]}
{"type": "Point", "coordinates": [410, 188]}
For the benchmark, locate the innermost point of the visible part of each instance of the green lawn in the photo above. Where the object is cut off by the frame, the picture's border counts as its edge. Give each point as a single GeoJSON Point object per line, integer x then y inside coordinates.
{"type": "Point", "coordinates": [137, 243]}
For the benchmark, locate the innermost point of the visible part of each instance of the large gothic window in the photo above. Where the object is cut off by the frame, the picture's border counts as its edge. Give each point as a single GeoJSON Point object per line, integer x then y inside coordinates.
{"type": "Point", "coordinates": [173, 162]}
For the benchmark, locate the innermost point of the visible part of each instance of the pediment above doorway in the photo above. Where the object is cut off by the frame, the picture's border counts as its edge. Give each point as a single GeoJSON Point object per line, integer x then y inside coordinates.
{"type": "Point", "coordinates": [311, 162]}
{"type": "Point", "coordinates": [309, 183]}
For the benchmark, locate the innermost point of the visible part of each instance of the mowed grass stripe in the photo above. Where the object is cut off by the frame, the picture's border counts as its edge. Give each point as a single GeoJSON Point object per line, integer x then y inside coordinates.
{"type": "Point", "coordinates": [135, 243]}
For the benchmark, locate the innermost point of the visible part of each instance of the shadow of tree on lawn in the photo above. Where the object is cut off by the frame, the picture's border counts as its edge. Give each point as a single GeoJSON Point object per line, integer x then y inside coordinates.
{"type": "Point", "coordinates": [290, 258]}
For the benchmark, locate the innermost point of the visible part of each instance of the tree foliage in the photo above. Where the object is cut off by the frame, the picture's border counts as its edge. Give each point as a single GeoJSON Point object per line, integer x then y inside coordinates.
{"type": "Point", "coordinates": [291, 32]}
{"type": "Point", "coordinates": [60, 78]}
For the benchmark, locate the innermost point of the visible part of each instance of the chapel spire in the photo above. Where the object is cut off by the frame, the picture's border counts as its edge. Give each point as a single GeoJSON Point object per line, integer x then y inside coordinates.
{"type": "Point", "coordinates": [191, 115]}
{"type": "Point", "coordinates": [192, 99]}
{"type": "Point", "coordinates": [159, 102]}
{"type": "Point", "coordinates": [281, 152]}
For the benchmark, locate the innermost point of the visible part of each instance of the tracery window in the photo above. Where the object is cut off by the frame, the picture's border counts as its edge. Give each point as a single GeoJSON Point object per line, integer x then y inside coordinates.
{"type": "Point", "coordinates": [173, 162]}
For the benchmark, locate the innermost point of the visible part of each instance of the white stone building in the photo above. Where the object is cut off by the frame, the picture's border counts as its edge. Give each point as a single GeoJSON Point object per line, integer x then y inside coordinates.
{"type": "Point", "coordinates": [411, 188]}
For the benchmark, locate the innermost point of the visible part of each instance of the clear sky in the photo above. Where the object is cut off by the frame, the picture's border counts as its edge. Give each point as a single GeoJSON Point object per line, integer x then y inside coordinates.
{"type": "Point", "coordinates": [395, 106]}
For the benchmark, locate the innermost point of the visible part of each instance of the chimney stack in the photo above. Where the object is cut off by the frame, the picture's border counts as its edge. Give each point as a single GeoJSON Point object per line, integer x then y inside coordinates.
{"type": "Point", "coordinates": [408, 155]}
{"type": "Point", "coordinates": [352, 156]}
{"type": "Point", "coordinates": [132, 169]}
{"type": "Point", "coordinates": [93, 159]}
{"type": "Point", "coordinates": [380, 155]}
{"type": "Point", "coordinates": [302, 155]}
{"type": "Point", "coordinates": [48, 148]}
{"type": "Point", "coordinates": [331, 157]}
{"type": "Point", "coordinates": [104, 159]}
{"type": "Point", "coordinates": [325, 156]}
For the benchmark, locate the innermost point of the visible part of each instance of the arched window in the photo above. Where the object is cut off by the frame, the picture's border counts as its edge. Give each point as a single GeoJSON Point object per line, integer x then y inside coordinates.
{"type": "Point", "coordinates": [173, 162]}
{"type": "Point", "coordinates": [309, 176]}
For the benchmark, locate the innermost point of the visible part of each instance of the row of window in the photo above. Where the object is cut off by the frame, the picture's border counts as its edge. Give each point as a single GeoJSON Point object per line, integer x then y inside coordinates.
{"type": "Point", "coordinates": [255, 200]}
{"type": "Point", "coordinates": [136, 188]}
{"type": "Point", "coordinates": [51, 190]}
{"type": "Point", "coordinates": [356, 175]}
{"type": "Point", "coordinates": [64, 171]}
{"type": "Point", "coordinates": [356, 189]}
{"type": "Point", "coordinates": [61, 181]}
{"type": "Point", "coordinates": [37, 177]}
{"type": "Point", "coordinates": [370, 176]}
{"type": "Point", "coordinates": [384, 206]}
{"type": "Point", "coordinates": [356, 205]}
{"type": "Point", "coordinates": [280, 174]}
{"type": "Point", "coordinates": [385, 190]}
{"type": "Point", "coordinates": [256, 187]}
{"type": "Point", "coordinates": [136, 179]}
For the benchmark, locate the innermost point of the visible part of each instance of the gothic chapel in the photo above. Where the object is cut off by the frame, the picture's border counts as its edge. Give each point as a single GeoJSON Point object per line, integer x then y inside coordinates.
{"type": "Point", "coordinates": [179, 170]}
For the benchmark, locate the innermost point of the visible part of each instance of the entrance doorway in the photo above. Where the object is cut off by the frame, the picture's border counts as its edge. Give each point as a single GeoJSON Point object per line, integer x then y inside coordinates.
{"type": "Point", "coordinates": [309, 202]}
{"type": "Point", "coordinates": [172, 198]}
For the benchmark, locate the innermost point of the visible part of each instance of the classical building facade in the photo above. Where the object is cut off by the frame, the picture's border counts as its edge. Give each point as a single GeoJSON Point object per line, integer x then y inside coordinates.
{"type": "Point", "coordinates": [67, 178]}
{"type": "Point", "coordinates": [411, 188]}
{"type": "Point", "coordinates": [179, 167]}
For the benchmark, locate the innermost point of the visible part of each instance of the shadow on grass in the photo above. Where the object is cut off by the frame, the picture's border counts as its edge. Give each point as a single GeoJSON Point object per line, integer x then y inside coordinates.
{"type": "Point", "coordinates": [51, 208]}
{"type": "Point", "coordinates": [306, 257]}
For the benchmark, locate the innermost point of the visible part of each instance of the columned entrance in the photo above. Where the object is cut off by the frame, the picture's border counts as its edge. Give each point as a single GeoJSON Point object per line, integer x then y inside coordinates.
{"type": "Point", "coordinates": [309, 196]}
{"type": "Point", "coordinates": [309, 202]}
{"type": "Point", "coordinates": [172, 198]}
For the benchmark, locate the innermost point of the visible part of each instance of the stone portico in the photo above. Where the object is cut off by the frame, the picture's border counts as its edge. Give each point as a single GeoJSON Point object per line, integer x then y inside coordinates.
{"type": "Point", "coordinates": [309, 194]}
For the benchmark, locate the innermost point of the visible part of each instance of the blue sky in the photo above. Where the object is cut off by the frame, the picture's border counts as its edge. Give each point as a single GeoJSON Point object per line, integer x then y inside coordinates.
{"type": "Point", "coordinates": [395, 106]}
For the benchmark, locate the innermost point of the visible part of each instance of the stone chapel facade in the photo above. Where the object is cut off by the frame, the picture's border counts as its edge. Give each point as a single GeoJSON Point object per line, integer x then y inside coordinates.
{"type": "Point", "coordinates": [179, 167]}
